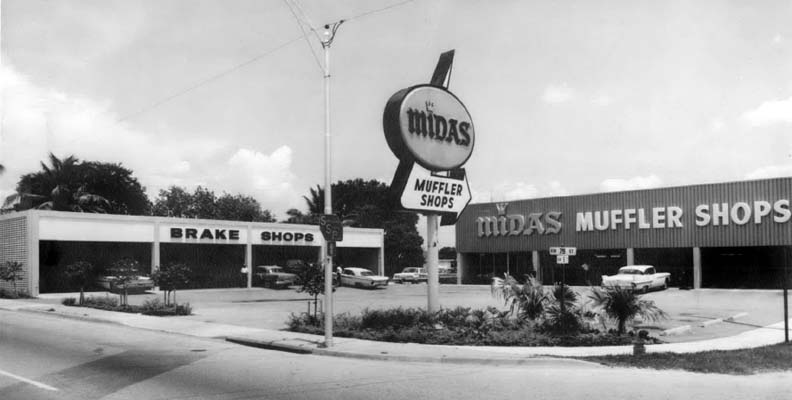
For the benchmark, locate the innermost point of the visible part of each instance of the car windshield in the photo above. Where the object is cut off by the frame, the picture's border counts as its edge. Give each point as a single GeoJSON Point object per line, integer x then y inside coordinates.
{"type": "Point", "coordinates": [630, 272]}
{"type": "Point", "coordinates": [366, 273]}
{"type": "Point", "coordinates": [411, 270]}
{"type": "Point", "coordinates": [274, 270]}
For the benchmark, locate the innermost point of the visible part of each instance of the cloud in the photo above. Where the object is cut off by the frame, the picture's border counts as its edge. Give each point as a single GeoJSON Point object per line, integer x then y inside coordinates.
{"type": "Point", "coordinates": [772, 171]}
{"type": "Point", "coordinates": [770, 113]}
{"type": "Point", "coordinates": [555, 94]}
{"type": "Point", "coordinates": [716, 124]}
{"type": "Point", "coordinates": [36, 121]}
{"type": "Point", "coordinates": [635, 183]}
{"type": "Point", "coordinates": [602, 100]}
{"type": "Point", "coordinates": [509, 191]}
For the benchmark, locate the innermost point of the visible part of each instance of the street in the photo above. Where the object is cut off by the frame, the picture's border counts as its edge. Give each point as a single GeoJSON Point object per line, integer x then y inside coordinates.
{"type": "Point", "coordinates": [48, 357]}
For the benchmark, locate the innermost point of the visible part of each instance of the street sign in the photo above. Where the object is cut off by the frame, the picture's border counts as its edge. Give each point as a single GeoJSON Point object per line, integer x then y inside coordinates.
{"type": "Point", "coordinates": [431, 194]}
{"type": "Point", "coordinates": [562, 259]}
{"type": "Point", "coordinates": [331, 228]}
{"type": "Point", "coordinates": [558, 251]}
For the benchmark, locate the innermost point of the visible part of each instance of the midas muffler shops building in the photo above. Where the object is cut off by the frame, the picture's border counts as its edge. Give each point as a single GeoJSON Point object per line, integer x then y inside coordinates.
{"type": "Point", "coordinates": [216, 251]}
{"type": "Point", "coordinates": [726, 235]}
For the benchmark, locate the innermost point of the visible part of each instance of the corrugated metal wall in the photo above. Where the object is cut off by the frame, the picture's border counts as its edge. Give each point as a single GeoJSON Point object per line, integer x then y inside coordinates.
{"type": "Point", "coordinates": [766, 233]}
{"type": "Point", "coordinates": [14, 247]}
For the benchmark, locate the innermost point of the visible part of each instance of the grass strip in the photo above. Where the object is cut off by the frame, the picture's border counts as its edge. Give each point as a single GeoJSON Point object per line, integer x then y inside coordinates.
{"type": "Point", "coordinates": [773, 358]}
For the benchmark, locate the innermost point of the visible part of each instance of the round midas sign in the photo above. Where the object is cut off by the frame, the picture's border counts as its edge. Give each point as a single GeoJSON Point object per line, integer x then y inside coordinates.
{"type": "Point", "coordinates": [429, 125]}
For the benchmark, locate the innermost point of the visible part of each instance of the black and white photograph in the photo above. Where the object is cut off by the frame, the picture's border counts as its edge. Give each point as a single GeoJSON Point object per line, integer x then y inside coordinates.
{"type": "Point", "coordinates": [395, 199]}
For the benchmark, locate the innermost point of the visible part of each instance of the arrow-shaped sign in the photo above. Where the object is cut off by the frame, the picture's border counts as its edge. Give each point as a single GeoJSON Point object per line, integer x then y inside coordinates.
{"type": "Point", "coordinates": [428, 193]}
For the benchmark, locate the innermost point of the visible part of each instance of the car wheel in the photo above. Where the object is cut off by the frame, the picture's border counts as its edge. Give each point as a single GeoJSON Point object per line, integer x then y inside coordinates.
{"type": "Point", "coordinates": [645, 289]}
{"type": "Point", "coordinates": [665, 284]}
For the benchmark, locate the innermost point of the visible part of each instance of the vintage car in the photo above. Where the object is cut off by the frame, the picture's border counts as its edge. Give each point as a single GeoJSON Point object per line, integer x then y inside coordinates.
{"type": "Point", "coordinates": [447, 275]}
{"type": "Point", "coordinates": [410, 274]}
{"type": "Point", "coordinates": [137, 284]}
{"type": "Point", "coordinates": [273, 276]}
{"type": "Point", "coordinates": [638, 277]}
{"type": "Point", "coordinates": [361, 277]}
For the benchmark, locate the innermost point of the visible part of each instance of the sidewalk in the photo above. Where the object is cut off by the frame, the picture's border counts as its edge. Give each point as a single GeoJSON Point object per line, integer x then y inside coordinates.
{"type": "Point", "coordinates": [364, 349]}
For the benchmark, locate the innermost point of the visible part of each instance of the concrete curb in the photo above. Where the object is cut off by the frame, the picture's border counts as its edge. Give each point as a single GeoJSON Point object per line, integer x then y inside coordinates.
{"type": "Point", "coordinates": [485, 359]}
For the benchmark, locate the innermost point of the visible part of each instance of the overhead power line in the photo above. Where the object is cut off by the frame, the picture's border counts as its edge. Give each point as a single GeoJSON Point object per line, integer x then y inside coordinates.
{"type": "Point", "coordinates": [243, 64]}
{"type": "Point", "coordinates": [207, 80]}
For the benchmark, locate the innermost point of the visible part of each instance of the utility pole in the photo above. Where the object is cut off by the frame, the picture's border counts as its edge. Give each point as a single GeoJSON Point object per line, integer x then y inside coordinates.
{"type": "Point", "coordinates": [327, 256]}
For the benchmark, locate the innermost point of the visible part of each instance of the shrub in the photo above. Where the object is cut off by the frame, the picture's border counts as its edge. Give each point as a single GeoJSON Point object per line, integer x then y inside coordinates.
{"type": "Point", "coordinates": [104, 303]}
{"type": "Point", "coordinates": [158, 308]}
{"type": "Point", "coordinates": [623, 305]}
{"type": "Point", "coordinates": [69, 301]}
{"type": "Point", "coordinates": [524, 300]}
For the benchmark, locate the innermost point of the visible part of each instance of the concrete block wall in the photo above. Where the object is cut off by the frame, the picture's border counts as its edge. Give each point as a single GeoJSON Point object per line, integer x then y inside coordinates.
{"type": "Point", "coordinates": [14, 247]}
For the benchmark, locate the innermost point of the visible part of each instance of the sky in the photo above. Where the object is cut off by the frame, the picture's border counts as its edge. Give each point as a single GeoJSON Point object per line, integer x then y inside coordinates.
{"type": "Point", "coordinates": [567, 97]}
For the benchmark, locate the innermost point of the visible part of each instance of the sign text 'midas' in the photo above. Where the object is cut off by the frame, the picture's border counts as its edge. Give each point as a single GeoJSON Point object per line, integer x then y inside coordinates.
{"type": "Point", "coordinates": [437, 127]}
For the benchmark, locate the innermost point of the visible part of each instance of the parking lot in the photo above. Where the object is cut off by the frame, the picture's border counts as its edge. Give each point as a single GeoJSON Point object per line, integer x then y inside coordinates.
{"type": "Point", "coordinates": [270, 308]}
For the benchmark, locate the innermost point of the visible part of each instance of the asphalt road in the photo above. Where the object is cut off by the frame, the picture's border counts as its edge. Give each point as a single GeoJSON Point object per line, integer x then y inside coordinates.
{"type": "Point", "coordinates": [48, 357]}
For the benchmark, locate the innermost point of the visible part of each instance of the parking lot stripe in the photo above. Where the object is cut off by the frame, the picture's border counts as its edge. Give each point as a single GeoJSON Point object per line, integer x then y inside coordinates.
{"type": "Point", "coordinates": [29, 381]}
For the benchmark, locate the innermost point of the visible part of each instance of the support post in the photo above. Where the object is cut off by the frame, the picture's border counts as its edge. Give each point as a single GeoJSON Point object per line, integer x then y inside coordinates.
{"type": "Point", "coordinates": [786, 292]}
{"type": "Point", "coordinates": [697, 268]}
{"type": "Point", "coordinates": [630, 256]}
{"type": "Point", "coordinates": [432, 261]}
{"type": "Point", "coordinates": [328, 203]}
{"type": "Point", "coordinates": [536, 264]}
{"type": "Point", "coordinates": [249, 256]}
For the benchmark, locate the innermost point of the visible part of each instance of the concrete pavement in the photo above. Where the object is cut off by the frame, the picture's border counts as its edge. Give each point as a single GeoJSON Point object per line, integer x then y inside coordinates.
{"type": "Point", "coordinates": [364, 349]}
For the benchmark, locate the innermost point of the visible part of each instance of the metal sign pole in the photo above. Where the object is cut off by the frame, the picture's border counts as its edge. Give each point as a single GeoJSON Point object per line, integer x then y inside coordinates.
{"type": "Point", "coordinates": [432, 261]}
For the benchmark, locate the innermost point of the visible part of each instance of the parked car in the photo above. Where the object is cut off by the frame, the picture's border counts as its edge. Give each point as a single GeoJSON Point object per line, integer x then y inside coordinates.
{"type": "Point", "coordinates": [273, 276]}
{"type": "Point", "coordinates": [138, 284]}
{"type": "Point", "coordinates": [410, 274]}
{"type": "Point", "coordinates": [361, 277]}
{"type": "Point", "coordinates": [447, 275]}
{"type": "Point", "coordinates": [638, 277]}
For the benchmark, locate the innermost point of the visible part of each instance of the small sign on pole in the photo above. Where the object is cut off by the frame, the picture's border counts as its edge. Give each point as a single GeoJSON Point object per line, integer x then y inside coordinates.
{"type": "Point", "coordinates": [562, 259]}
{"type": "Point", "coordinates": [331, 228]}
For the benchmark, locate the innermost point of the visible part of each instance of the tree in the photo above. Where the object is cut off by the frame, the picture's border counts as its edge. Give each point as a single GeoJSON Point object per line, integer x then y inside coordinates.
{"type": "Point", "coordinates": [81, 274]}
{"type": "Point", "coordinates": [370, 204]}
{"type": "Point", "coordinates": [296, 216]}
{"type": "Point", "coordinates": [123, 272]}
{"type": "Point", "coordinates": [241, 208]}
{"type": "Point", "coordinates": [169, 277]}
{"type": "Point", "coordinates": [313, 279]}
{"type": "Point", "coordinates": [12, 271]}
{"type": "Point", "coordinates": [624, 305]}
{"type": "Point", "coordinates": [446, 253]}
{"type": "Point", "coordinates": [72, 185]}
{"type": "Point", "coordinates": [203, 203]}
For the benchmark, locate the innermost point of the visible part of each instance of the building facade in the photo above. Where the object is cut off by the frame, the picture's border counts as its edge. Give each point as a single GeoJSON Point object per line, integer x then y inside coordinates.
{"type": "Point", "coordinates": [725, 235]}
{"type": "Point", "coordinates": [216, 251]}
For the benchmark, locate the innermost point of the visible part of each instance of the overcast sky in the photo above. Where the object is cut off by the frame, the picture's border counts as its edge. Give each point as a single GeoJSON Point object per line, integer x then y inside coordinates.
{"type": "Point", "coordinates": [567, 97]}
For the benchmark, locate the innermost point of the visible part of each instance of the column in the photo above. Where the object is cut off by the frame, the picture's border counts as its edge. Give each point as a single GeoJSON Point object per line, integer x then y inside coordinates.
{"type": "Point", "coordinates": [155, 248]}
{"type": "Point", "coordinates": [33, 253]}
{"type": "Point", "coordinates": [696, 268]}
{"type": "Point", "coordinates": [249, 256]}
{"type": "Point", "coordinates": [537, 266]}
{"type": "Point", "coordinates": [461, 266]}
{"type": "Point", "coordinates": [630, 256]}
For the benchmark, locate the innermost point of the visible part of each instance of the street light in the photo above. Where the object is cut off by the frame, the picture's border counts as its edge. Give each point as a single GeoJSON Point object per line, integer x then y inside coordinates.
{"type": "Point", "coordinates": [329, 34]}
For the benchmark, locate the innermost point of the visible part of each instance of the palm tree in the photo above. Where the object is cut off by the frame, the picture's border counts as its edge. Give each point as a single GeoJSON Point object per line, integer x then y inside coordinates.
{"type": "Point", "coordinates": [623, 305]}
{"type": "Point", "coordinates": [59, 186]}
{"type": "Point", "coordinates": [524, 300]}
{"type": "Point", "coordinates": [316, 200]}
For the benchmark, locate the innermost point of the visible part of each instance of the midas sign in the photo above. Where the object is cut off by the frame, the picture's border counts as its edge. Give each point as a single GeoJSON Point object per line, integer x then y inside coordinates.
{"type": "Point", "coordinates": [429, 125]}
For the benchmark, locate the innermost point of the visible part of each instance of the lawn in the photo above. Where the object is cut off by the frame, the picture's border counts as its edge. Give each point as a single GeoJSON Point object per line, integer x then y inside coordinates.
{"type": "Point", "coordinates": [774, 358]}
